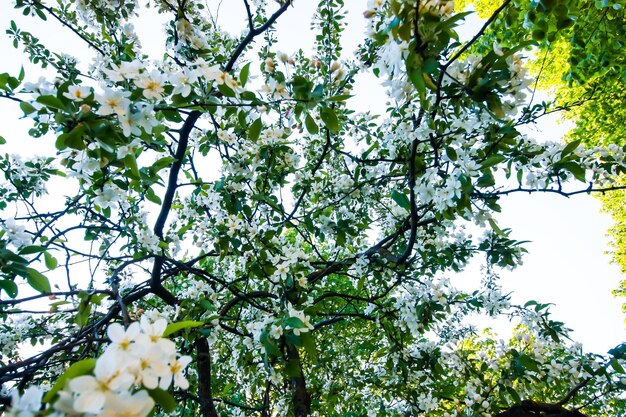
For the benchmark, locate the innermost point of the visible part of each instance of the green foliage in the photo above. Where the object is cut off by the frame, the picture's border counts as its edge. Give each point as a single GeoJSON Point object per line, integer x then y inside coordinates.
{"type": "Point", "coordinates": [591, 85]}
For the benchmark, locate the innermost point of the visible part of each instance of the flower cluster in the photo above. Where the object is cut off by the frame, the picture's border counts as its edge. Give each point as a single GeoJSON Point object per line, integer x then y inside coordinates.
{"type": "Point", "coordinates": [16, 233]}
{"type": "Point", "coordinates": [138, 359]}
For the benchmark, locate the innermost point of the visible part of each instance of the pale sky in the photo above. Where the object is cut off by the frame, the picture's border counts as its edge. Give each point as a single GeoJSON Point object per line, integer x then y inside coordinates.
{"type": "Point", "coordinates": [566, 265]}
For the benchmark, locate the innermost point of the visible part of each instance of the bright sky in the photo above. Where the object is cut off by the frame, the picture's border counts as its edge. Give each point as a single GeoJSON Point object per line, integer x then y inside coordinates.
{"type": "Point", "coordinates": [566, 265]}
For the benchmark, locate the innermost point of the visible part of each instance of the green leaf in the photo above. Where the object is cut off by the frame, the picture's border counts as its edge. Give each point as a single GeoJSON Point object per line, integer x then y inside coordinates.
{"type": "Point", "coordinates": [164, 399]}
{"type": "Point", "coordinates": [618, 351]}
{"type": "Point", "coordinates": [430, 66]}
{"type": "Point", "coordinates": [13, 82]}
{"type": "Point", "coordinates": [4, 79]}
{"type": "Point", "coordinates": [493, 160]}
{"type": "Point", "coordinates": [309, 346]}
{"type": "Point", "coordinates": [7, 255]}
{"type": "Point", "coordinates": [243, 74]}
{"type": "Point", "coordinates": [318, 92]}
{"type": "Point", "coordinates": [528, 362]}
{"type": "Point", "coordinates": [249, 96]}
{"type": "Point", "coordinates": [51, 102]}
{"type": "Point", "coordinates": [495, 105]}
{"type": "Point", "coordinates": [301, 86]}
{"type": "Point", "coordinates": [330, 119]}
{"type": "Point", "coordinates": [72, 139]}
{"type": "Point", "coordinates": [310, 124]}
{"type": "Point", "coordinates": [393, 24]}
{"type": "Point", "coordinates": [570, 147]}
{"type": "Point", "coordinates": [254, 131]}
{"type": "Point", "coordinates": [50, 261]}
{"type": "Point", "coordinates": [451, 153]}
{"type": "Point", "coordinates": [573, 167]}
{"type": "Point", "coordinates": [268, 343]}
{"type": "Point", "coordinates": [341, 237]}
{"type": "Point", "coordinates": [295, 322]}
{"type": "Point", "coordinates": [84, 367]}
{"type": "Point", "coordinates": [228, 387]}
{"type": "Point", "coordinates": [41, 14]}
{"type": "Point", "coordinates": [163, 163]}
{"type": "Point", "coordinates": [37, 280]}
{"type": "Point", "coordinates": [496, 228]}
{"type": "Point", "coordinates": [172, 116]}
{"type": "Point", "coordinates": [151, 196]}
{"type": "Point", "coordinates": [9, 287]}
{"type": "Point", "coordinates": [2, 140]}
{"type": "Point", "coordinates": [131, 163]}
{"type": "Point", "coordinates": [417, 79]}
{"type": "Point", "coordinates": [82, 317]}
{"type": "Point", "coordinates": [486, 180]}
{"type": "Point", "coordinates": [27, 108]}
{"type": "Point", "coordinates": [616, 365]}
{"type": "Point", "coordinates": [514, 394]}
{"type": "Point", "coordinates": [339, 97]}
{"type": "Point", "coordinates": [401, 199]}
{"type": "Point", "coordinates": [29, 250]}
{"type": "Point", "coordinates": [175, 327]}
{"type": "Point", "coordinates": [226, 90]}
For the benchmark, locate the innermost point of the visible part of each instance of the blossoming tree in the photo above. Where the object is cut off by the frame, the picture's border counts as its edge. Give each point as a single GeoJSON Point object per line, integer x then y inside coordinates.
{"type": "Point", "coordinates": [233, 239]}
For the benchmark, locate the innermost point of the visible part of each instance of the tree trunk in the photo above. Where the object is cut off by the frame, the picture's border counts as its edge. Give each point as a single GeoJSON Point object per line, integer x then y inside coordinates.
{"type": "Point", "coordinates": [301, 397]}
{"type": "Point", "coordinates": [204, 378]}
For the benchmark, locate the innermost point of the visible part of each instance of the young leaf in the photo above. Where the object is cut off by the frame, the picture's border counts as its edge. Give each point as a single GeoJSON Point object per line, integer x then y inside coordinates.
{"type": "Point", "coordinates": [310, 124]}
{"type": "Point", "coordinates": [330, 119]}
{"type": "Point", "coordinates": [37, 280]}
{"type": "Point", "coordinates": [309, 346]}
{"type": "Point", "coordinates": [339, 97]}
{"type": "Point", "coordinates": [50, 261]}
{"type": "Point", "coordinates": [243, 74]}
{"type": "Point", "coordinates": [570, 147]}
{"type": "Point", "coordinates": [295, 323]}
{"type": "Point", "coordinates": [226, 90]}
{"type": "Point", "coordinates": [151, 196]}
{"type": "Point", "coordinates": [401, 199]}
{"type": "Point", "coordinates": [27, 108]}
{"type": "Point", "coordinates": [84, 367]}
{"type": "Point", "coordinates": [417, 79]}
{"type": "Point", "coordinates": [164, 399]}
{"type": "Point", "coordinates": [172, 116]}
{"type": "Point", "coordinates": [51, 102]}
{"type": "Point", "coordinates": [493, 160]}
{"type": "Point", "coordinates": [254, 131]}
{"type": "Point", "coordinates": [29, 250]}
{"type": "Point", "coordinates": [9, 287]}
{"type": "Point", "coordinates": [174, 327]}
{"type": "Point", "coordinates": [496, 228]}
{"type": "Point", "coordinates": [131, 162]}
